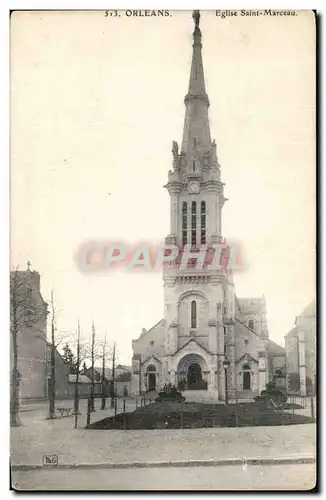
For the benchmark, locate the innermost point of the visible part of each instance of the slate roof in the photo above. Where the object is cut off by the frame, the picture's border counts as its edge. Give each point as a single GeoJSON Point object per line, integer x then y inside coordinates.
{"type": "Point", "coordinates": [274, 348]}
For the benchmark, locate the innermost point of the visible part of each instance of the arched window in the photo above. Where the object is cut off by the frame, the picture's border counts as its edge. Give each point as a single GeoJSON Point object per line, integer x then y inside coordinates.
{"type": "Point", "coordinates": [194, 141]}
{"type": "Point", "coordinates": [246, 367]}
{"type": "Point", "coordinates": [184, 223]}
{"type": "Point", "coordinates": [251, 324]}
{"type": "Point", "coordinates": [203, 222]}
{"type": "Point", "coordinates": [151, 368]}
{"type": "Point", "coordinates": [193, 165]}
{"type": "Point", "coordinates": [193, 314]}
{"type": "Point", "coordinates": [193, 223]}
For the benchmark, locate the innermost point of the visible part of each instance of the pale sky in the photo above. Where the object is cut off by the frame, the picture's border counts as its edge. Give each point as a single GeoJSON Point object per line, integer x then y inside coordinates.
{"type": "Point", "coordinates": [95, 105]}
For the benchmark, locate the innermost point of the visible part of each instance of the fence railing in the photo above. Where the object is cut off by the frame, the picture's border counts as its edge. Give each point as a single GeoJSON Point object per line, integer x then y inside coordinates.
{"type": "Point", "coordinates": [117, 405]}
{"type": "Point", "coordinates": [298, 399]}
{"type": "Point", "coordinates": [233, 415]}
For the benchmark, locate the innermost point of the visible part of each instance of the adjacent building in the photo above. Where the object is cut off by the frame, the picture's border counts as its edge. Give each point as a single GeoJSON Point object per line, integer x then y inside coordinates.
{"type": "Point", "coordinates": [28, 322]}
{"type": "Point", "coordinates": [300, 345]}
{"type": "Point", "coordinates": [122, 380]}
{"type": "Point", "coordinates": [28, 317]}
{"type": "Point", "coordinates": [62, 373]}
{"type": "Point", "coordinates": [276, 364]}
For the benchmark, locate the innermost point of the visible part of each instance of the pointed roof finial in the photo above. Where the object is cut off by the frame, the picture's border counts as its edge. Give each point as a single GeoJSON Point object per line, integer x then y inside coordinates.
{"type": "Point", "coordinates": [196, 17]}
{"type": "Point", "coordinates": [28, 265]}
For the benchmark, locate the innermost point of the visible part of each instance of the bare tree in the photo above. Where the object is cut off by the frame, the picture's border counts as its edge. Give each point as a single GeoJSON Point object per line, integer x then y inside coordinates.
{"type": "Point", "coordinates": [113, 376]}
{"type": "Point", "coordinates": [52, 345]}
{"type": "Point", "coordinates": [81, 356]}
{"type": "Point", "coordinates": [52, 365]}
{"type": "Point", "coordinates": [107, 353]}
{"type": "Point", "coordinates": [76, 396]}
{"type": "Point", "coordinates": [24, 312]}
{"type": "Point", "coordinates": [93, 368]}
{"type": "Point", "coordinates": [94, 354]}
{"type": "Point", "coordinates": [103, 402]}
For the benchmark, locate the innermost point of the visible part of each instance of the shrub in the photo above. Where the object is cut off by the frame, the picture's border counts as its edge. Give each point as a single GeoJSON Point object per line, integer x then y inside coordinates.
{"type": "Point", "coordinates": [170, 394]}
{"type": "Point", "coordinates": [271, 392]}
{"type": "Point", "coordinates": [278, 396]}
{"type": "Point", "coordinates": [294, 382]}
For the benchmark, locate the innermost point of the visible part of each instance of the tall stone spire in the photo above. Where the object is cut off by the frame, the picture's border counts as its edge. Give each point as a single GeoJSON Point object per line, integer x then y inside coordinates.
{"type": "Point", "coordinates": [196, 139]}
{"type": "Point", "coordinates": [194, 184]}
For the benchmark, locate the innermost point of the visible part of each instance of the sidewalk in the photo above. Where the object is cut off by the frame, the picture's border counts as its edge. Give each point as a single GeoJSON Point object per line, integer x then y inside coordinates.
{"type": "Point", "coordinates": [43, 406]}
{"type": "Point", "coordinates": [37, 413]}
{"type": "Point", "coordinates": [81, 446]}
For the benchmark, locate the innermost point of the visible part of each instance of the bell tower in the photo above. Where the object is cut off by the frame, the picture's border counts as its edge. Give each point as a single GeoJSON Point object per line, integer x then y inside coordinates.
{"type": "Point", "coordinates": [194, 183]}
{"type": "Point", "coordinates": [194, 297]}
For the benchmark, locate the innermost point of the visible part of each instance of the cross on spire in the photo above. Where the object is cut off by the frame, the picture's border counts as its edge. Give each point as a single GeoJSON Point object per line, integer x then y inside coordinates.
{"type": "Point", "coordinates": [196, 17]}
{"type": "Point", "coordinates": [29, 265]}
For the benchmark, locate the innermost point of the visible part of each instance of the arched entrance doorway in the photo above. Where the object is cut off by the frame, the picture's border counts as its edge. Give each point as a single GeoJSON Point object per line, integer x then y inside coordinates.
{"type": "Point", "coordinates": [246, 378]}
{"type": "Point", "coordinates": [151, 381]}
{"type": "Point", "coordinates": [151, 375]}
{"type": "Point", "coordinates": [194, 376]}
{"type": "Point", "coordinates": [192, 373]}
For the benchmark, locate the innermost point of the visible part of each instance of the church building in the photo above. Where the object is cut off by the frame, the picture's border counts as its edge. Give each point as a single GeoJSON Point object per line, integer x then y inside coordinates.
{"type": "Point", "coordinates": [209, 340]}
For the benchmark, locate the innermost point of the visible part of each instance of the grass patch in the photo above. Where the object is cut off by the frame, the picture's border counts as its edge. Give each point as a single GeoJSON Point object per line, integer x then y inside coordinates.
{"type": "Point", "coordinates": [167, 415]}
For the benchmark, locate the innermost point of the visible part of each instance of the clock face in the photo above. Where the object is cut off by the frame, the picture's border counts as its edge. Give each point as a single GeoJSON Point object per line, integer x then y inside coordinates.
{"type": "Point", "coordinates": [194, 188]}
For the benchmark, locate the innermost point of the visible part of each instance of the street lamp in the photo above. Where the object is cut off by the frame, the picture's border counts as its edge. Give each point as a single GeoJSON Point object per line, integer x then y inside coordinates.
{"type": "Point", "coordinates": [226, 365]}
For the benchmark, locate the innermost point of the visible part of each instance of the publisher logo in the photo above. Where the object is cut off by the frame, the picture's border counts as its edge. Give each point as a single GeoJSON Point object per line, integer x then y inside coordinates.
{"type": "Point", "coordinates": [50, 460]}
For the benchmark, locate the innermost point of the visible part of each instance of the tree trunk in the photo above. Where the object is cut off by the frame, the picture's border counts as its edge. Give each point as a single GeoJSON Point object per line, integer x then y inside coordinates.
{"type": "Point", "coordinates": [76, 398]}
{"type": "Point", "coordinates": [52, 384]}
{"type": "Point", "coordinates": [52, 379]}
{"type": "Point", "coordinates": [103, 403]}
{"type": "Point", "coordinates": [14, 392]}
{"type": "Point", "coordinates": [113, 376]}
{"type": "Point", "coordinates": [92, 377]}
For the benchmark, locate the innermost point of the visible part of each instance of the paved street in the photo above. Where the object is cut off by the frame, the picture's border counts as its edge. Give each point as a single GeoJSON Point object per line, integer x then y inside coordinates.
{"type": "Point", "coordinates": [31, 442]}
{"type": "Point", "coordinates": [39, 436]}
{"type": "Point", "coordinates": [275, 477]}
